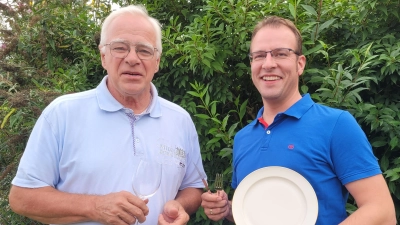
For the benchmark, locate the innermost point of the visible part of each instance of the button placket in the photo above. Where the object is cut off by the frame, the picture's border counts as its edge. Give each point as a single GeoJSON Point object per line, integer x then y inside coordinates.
{"type": "Point", "coordinates": [132, 120]}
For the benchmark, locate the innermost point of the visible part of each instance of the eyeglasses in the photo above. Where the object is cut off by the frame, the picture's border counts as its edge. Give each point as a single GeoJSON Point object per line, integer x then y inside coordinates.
{"type": "Point", "coordinates": [277, 54]}
{"type": "Point", "coordinates": [120, 49]}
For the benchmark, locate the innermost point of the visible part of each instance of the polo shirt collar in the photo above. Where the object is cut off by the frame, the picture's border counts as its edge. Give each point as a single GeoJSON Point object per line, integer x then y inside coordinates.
{"type": "Point", "coordinates": [155, 106]}
{"type": "Point", "coordinates": [297, 110]}
{"type": "Point", "coordinates": [104, 98]}
{"type": "Point", "coordinates": [108, 103]}
{"type": "Point", "coordinates": [300, 107]}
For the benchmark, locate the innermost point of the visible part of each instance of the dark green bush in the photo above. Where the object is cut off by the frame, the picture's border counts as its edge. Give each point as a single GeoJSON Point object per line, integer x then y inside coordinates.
{"type": "Point", "coordinates": [353, 62]}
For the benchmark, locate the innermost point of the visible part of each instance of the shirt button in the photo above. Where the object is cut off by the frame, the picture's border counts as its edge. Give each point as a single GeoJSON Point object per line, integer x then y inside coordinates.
{"type": "Point", "coordinates": [268, 131]}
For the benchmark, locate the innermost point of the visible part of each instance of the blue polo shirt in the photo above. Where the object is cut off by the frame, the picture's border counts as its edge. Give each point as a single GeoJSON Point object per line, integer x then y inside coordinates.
{"type": "Point", "coordinates": [323, 144]}
{"type": "Point", "coordinates": [87, 143]}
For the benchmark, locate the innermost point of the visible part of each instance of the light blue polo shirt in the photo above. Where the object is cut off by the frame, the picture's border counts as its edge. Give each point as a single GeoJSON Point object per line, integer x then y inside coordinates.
{"type": "Point", "coordinates": [324, 145]}
{"type": "Point", "coordinates": [83, 143]}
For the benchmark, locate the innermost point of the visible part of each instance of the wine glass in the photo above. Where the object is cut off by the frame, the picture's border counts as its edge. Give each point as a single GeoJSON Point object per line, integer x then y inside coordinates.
{"type": "Point", "coordinates": [147, 179]}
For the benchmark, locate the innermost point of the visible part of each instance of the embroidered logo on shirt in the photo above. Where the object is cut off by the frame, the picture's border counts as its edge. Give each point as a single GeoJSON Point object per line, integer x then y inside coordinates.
{"type": "Point", "coordinates": [290, 147]}
{"type": "Point", "coordinates": [180, 152]}
{"type": "Point", "coordinates": [172, 152]}
{"type": "Point", "coordinates": [172, 155]}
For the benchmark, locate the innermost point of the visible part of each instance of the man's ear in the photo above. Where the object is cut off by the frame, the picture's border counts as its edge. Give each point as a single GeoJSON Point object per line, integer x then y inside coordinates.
{"type": "Point", "coordinates": [158, 64]}
{"type": "Point", "coordinates": [301, 64]}
{"type": "Point", "coordinates": [102, 57]}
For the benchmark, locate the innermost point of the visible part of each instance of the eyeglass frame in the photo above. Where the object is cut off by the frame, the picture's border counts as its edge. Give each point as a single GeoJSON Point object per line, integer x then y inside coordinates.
{"type": "Point", "coordinates": [129, 50]}
{"type": "Point", "coordinates": [272, 55]}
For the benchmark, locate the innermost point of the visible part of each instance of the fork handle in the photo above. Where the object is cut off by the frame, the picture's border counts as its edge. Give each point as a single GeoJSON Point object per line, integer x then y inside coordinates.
{"type": "Point", "coordinates": [205, 184]}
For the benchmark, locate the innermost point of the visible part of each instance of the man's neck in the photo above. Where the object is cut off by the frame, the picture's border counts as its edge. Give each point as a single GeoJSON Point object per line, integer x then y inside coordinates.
{"type": "Point", "coordinates": [273, 107]}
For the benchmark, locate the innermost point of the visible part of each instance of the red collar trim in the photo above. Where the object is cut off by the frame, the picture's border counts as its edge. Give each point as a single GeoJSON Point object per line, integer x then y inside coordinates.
{"type": "Point", "coordinates": [262, 121]}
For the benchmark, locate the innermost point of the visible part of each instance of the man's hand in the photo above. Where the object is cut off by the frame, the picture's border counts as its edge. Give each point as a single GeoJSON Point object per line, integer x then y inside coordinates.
{"type": "Point", "coordinates": [173, 214]}
{"type": "Point", "coordinates": [216, 207]}
{"type": "Point", "coordinates": [51, 206]}
{"type": "Point", "coordinates": [120, 208]}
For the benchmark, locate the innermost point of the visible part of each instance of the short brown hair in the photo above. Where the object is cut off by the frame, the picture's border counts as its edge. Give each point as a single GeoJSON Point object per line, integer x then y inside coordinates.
{"type": "Point", "coordinates": [276, 21]}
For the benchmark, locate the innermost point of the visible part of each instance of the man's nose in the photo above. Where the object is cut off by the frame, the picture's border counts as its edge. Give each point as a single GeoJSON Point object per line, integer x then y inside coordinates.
{"type": "Point", "coordinates": [269, 61]}
{"type": "Point", "coordinates": [132, 57]}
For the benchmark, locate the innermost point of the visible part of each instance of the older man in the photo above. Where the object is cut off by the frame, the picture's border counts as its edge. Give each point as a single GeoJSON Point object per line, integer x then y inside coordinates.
{"type": "Point", "coordinates": [78, 165]}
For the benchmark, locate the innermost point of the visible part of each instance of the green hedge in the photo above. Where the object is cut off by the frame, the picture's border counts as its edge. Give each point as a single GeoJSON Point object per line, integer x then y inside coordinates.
{"type": "Point", "coordinates": [353, 62]}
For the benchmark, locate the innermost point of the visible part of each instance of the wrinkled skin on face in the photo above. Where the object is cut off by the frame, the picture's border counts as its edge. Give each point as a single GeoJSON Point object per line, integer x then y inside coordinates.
{"type": "Point", "coordinates": [129, 78]}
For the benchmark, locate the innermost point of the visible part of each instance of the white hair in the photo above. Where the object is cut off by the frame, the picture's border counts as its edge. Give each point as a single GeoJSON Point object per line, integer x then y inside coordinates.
{"type": "Point", "coordinates": [134, 10]}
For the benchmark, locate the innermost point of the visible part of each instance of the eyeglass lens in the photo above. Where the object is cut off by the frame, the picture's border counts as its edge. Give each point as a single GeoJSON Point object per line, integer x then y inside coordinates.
{"type": "Point", "coordinates": [122, 49]}
{"type": "Point", "coordinates": [279, 53]}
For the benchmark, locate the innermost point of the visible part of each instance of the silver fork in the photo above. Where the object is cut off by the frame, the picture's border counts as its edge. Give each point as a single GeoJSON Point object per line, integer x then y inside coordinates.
{"type": "Point", "coordinates": [219, 182]}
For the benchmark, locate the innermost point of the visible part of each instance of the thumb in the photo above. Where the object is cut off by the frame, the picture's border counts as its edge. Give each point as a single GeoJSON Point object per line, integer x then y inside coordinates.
{"type": "Point", "coordinates": [171, 210]}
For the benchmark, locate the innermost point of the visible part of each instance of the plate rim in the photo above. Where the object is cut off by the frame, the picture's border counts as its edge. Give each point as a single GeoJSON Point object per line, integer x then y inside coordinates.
{"type": "Point", "coordinates": [276, 171]}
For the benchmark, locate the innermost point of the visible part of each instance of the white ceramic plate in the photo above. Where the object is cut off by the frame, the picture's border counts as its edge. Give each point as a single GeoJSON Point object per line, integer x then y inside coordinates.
{"type": "Point", "coordinates": [274, 195]}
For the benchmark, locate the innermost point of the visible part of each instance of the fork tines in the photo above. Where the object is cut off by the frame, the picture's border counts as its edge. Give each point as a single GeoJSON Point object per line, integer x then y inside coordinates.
{"type": "Point", "coordinates": [219, 182]}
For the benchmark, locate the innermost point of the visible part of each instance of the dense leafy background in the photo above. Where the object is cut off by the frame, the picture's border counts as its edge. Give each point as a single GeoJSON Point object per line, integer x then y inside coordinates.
{"type": "Point", "coordinates": [49, 48]}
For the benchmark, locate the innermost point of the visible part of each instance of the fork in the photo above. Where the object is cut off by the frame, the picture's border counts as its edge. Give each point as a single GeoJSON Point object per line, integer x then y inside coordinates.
{"type": "Point", "coordinates": [219, 182]}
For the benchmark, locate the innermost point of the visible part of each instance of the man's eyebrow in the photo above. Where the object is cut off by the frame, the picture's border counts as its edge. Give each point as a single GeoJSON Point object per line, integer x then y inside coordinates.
{"type": "Point", "coordinates": [145, 44]}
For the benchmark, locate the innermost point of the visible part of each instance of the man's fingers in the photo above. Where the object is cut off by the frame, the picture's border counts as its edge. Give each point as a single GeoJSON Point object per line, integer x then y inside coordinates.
{"type": "Point", "coordinates": [127, 218]}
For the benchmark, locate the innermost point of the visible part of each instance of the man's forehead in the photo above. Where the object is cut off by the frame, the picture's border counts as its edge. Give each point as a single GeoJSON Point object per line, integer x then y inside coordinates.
{"type": "Point", "coordinates": [132, 22]}
{"type": "Point", "coordinates": [132, 28]}
{"type": "Point", "coordinates": [131, 42]}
